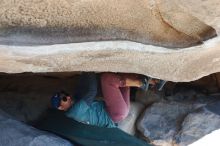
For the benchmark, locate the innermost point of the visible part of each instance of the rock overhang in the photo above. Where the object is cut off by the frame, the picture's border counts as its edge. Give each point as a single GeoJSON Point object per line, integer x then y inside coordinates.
{"type": "Point", "coordinates": [116, 56]}
{"type": "Point", "coordinates": [122, 40]}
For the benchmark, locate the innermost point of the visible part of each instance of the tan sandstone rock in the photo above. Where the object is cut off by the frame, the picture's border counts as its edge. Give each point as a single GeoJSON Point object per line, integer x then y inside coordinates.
{"type": "Point", "coordinates": [65, 21]}
{"type": "Point", "coordinates": [42, 36]}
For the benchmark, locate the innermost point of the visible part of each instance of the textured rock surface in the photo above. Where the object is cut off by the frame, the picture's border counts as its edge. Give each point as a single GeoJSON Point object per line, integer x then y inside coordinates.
{"type": "Point", "coordinates": [17, 133]}
{"type": "Point", "coordinates": [129, 124]}
{"type": "Point", "coordinates": [197, 125]}
{"type": "Point", "coordinates": [160, 122]}
{"type": "Point", "coordinates": [179, 65]}
{"type": "Point", "coordinates": [146, 21]}
{"type": "Point", "coordinates": [147, 98]}
{"type": "Point", "coordinates": [205, 10]}
{"type": "Point", "coordinates": [182, 119]}
{"type": "Point", "coordinates": [27, 96]}
{"type": "Point", "coordinates": [171, 24]}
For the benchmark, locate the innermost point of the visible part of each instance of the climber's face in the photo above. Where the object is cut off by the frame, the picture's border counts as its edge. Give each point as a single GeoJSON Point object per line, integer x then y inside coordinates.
{"type": "Point", "coordinates": [65, 103]}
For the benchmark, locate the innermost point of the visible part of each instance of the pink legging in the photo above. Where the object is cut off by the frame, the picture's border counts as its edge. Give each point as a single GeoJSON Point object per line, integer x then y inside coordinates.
{"type": "Point", "coordinates": [116, 94]}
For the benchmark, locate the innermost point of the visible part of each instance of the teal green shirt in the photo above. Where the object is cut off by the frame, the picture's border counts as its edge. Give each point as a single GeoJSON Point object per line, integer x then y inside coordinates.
{"type": "Point", "coordinates": [93, 114]}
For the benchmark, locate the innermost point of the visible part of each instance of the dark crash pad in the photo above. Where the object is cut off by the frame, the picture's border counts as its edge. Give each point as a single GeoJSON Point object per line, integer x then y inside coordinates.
{"type": "Point", "coordinates": [86, 135]}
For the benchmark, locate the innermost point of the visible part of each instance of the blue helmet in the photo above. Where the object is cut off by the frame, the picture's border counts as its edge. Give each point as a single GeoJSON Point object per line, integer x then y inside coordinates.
{"type": "Point", "coordinates": [55, 100]}
{"type": "Point", "coordinates": [57, 97]}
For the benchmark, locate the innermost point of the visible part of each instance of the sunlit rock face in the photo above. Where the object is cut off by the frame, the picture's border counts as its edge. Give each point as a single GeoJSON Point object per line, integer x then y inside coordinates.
{"type": "Point", "coordinates": [66, 21]}
{"type": "Point", "coordinates": [173, 40]}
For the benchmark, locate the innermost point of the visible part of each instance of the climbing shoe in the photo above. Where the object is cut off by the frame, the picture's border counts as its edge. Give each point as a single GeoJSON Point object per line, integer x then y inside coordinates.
{"type": "Point", "coordinates": [160, 85]}
{"type": "Point", "coordinates": [145, 84]}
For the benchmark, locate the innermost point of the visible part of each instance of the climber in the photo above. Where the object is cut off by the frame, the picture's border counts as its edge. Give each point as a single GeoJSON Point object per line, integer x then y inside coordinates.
{"type": "Point", "coordinates": [116, 93]}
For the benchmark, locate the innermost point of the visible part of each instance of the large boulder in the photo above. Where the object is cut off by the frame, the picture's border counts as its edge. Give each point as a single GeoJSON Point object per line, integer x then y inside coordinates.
{"type": "Point", "coordinates": [17, 133]}
{"type": "Point", "coordinates": [161, 121]}
{"type": "Point", "coordinates": [181, 119]}
{"type": "Point", "coordinates": [198, 124]}
{"type": "Point", "coordinates": [56, 35]}
{"type": "Point", "coordinates": [68, 21]}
